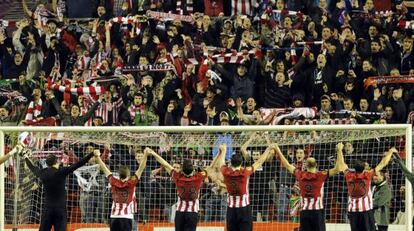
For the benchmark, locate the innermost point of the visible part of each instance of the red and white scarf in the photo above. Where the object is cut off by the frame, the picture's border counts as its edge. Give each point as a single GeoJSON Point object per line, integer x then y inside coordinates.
{"type": "Point", "coordinates": [34, 110]}
{"type": "Point", "coordinates": [189, 7]}
{"type": "Point", "coordinates": [169, 16]}
{"type": "Point", "coordinates": [91, 90]}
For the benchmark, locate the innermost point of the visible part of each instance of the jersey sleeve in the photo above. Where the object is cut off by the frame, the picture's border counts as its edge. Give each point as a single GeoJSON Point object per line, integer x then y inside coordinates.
{"type": "Point", "coordinates": [112, 180]}
{"type": "Point", "coordinates": [371, 173]}
{"type": "Point", "coordinates": [133, 180]}
{"type": "Point", "coordinates": [248, 171]}
{"type": "Point", "coordinates": [297, 173]}
{"type": "Point", "coordinates": [223, 170]}
{"type": "Point", "coordinates": [174, 175]}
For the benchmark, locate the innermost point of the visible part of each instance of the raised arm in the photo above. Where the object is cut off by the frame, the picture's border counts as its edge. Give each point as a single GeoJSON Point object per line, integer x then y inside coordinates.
{"type": "Point", "coordinates": [32, 167]}
{"type": "Point", "coordinates": [26, 9]}
{"type": "Point", "coordinates": [142, 164]}
{"type": "Point", "coordinates": [246, 144]}
{"type": "Point", "coordinates": [163, 162]}
{"type": "Point", "coordinates": [103, 166]}
{"type": "Point", "coordinates": [408, 3]}
{"type": "Point", "coordinates": [385, 159]}
{"type": "Point", "coordinates": [339, 163]}
{"type": "Point", "coordinates": [283, 160]}
{"type": "Point", "coordinates": [404, 169]}
{"type": "Point", "coordinates": [262, 159]}
{"type": "Point", "coordinates": [73, 167]}
{"type": "Point", "coordinates": [17, 149]}
{"type": "Point", "coordinates": [217, 162]}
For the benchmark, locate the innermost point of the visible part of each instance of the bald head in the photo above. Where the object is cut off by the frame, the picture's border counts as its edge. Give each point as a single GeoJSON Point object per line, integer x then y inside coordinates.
{"type": "Point", "coordinates": [310, 163]}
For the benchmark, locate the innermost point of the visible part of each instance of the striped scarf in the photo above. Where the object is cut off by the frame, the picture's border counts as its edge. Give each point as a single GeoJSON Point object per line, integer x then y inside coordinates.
{"type": "Point", "coordinates": [34, 110]}
{"type": "Point", "coordinates": [188, 7]}
{"type": "Point", "coordinates": [91, 90]}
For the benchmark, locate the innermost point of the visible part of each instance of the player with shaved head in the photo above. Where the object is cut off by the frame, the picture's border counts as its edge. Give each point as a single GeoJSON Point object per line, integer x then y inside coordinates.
{"type": "Point", "coordinates": [311, 182]}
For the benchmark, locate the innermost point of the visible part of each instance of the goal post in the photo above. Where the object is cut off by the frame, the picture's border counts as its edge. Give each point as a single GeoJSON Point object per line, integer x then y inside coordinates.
{"type": "Point", "coordinates": [317, 141]}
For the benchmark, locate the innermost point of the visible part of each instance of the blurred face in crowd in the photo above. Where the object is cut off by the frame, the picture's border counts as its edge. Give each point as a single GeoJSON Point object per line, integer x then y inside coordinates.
{"type": "Point", "coordinates": [363, 104]}
{"type": "Point", "coordinates": [52, 27]}
{"type": "Point", "coordinates": [137, 100]}
{"type": "Point", "coordinates": [206, 21]}
{"type": "Point", "coordinates": [300, 155]}
{"type": "Point", "coordinates": [348, 148]}
{"type": "Point", "coordinates": [128, 48]}
{"type": "Point", "coordinates": [321, 61]}
{"type": "Point", "coordinates": [89, 149]}
{"type": "Point", "coordinates": [394, 72]}
{"type": "Point", "coordinates": [36, 94]}
{"type": "Point", "coordinates": [101, 11]}
{"type": "Point", "coordinates": [97, 122]}
{"type": "Point", "coordinates": [348, 104]}
{"type": "Point", "coordinates": [241, 70]}
{"type": "Point", "coordinates": [280, 4]}
{"type": "Point", "coordinates": [369, 5]}
{"type": "Point", "coordinates": [18, 59]}
{"type": "Point", "coordinates": [280, 78]}
{"type": "Point", "coordinates": [287, 23]}
{"type": "Point", "coordinates": [64, 107]}
{"type": "Point", "coordinates": [247, 23]}
{"type": "Point", "coordinates": [4, 113]}
{"type": "Point", "coordinates": [389, 112]}
{"type": "Point", "coordinates": [325, 105]}
{"type": "Point", "coordinates": [255, 155]}
{"type": "Point", "coordinates": [372, 31]}
{"type": "Point", "coordinates": [81, 101]}
{"type": "Point", "coordinates": [408, 44]}
{"type": "Point", "coordinates": [75, 111]}
{"type": "Point", "coordinates": [256, 116]}
{"type": "Point", "coordinates": [397, 94]}
{"type": "Point", "coordinates": [366, 66]}
{"type": "Point", "coordinates": [375, 47]}
{"type": "Point", "coordinates": [143, 60]}
{"type": "Point", "coordinates": [280, 66]}
{"type": "Point", "coordinates": [331, 48]}
{"type": "Point", "coordinates": [251, 104]}
{"type": "Point", "coordinates": [322, 4]}
{"type": "Point", "coordinates": [326, 33]}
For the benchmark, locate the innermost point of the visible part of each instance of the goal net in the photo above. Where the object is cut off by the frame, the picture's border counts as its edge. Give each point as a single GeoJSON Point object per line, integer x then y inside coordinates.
{"type": "Point", "coordinates": [274, 193]}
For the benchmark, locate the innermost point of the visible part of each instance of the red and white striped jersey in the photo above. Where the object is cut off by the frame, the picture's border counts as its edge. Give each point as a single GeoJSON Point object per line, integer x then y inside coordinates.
{"type": "Point", "coordinates": [311, 188]}
{"type": "Point", "coordinates": [237, 184]}
{"type": "Point", "coordinates": [359, 190]}
{"type": "Point", "coordinates": [188, 190]}
{"type": "Point", "coordinates": [124, 203]}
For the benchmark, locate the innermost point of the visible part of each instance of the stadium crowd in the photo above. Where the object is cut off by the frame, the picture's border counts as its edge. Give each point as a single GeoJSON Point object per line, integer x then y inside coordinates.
{"type": "Point", "coordinates": [211, 62]}
{"type": "Point", "coordinates": [207, 62]}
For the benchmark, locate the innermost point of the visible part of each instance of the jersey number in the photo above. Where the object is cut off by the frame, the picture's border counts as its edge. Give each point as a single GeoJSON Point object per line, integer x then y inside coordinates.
{"type": "Point", "coordinates": [122, 194]}
{"type": "Point", "coordinates": [358, 189]}
{"type": "Point", "coordinates": [308, 190]}
{"type": "Point", "coordinates": [190, 194]}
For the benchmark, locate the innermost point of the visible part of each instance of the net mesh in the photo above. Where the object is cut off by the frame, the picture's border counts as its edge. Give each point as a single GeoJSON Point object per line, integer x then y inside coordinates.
{"type": "Point", "coordinates": [274, 192]}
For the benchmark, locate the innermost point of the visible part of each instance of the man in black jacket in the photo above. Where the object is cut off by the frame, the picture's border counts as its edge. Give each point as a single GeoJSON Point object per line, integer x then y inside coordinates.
{"type": "Point", "coordinates": [54, 179]}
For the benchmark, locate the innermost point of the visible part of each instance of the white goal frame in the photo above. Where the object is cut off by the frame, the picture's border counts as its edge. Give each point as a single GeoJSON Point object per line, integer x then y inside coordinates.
{"type": "Point", "coordinates": [406, 127]}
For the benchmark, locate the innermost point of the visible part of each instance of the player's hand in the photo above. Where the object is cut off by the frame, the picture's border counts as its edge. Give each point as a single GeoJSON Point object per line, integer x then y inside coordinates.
{"type": "Point", "coordinates": [26, 153]}
{"type": "Point", "coordinates": [340, 146]}
{"type": "Point", "coordinates": [274, 146]}
{"type": "Point", "coordinates": [96, 153]}
{"type": "Point", "coordinates": [393, 150]}
{"type": "Point", "coordinates": [147, 151]}
{"type": "Point", "coordinates": [222, 148]}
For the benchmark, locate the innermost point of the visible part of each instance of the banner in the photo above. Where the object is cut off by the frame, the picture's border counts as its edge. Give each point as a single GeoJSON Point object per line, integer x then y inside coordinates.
{"type": "Point", "coordinates": [381, 80]}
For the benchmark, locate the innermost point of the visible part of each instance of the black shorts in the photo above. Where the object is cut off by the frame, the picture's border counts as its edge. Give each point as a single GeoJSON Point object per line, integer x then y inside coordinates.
{"type": "Point", "coordinates": [121, 224]}
{"type": "Point", "coordinates": [186, 221]}
{"type": "Point", "coordinates": [362, 221]}
{"type": "Point", "coordinates": [53, 217]}
{"type": "Point", "coordinates": [312, 220]}
{"type": "Point", "coordinates": [239, 219]}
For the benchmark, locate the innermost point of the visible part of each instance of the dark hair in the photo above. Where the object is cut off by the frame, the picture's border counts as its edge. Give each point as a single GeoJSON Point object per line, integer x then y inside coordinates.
{"type": "Point", "coordinates": [187, 167]}
{"type": "Point", "coordinates": [358, 165]}
{"type": "Point", "coordinates": [236, 160]}
{"type": "Point", "coordinates": [123, 172]}
{"type": "Point", "coordinates": [51, 160]}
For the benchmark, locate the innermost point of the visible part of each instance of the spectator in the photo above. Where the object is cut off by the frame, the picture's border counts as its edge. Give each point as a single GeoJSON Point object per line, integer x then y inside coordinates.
{"type": "Point", "coordinates": [382, 196]}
